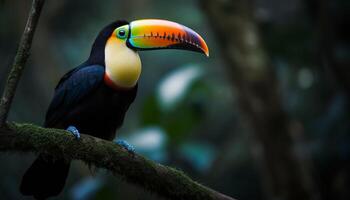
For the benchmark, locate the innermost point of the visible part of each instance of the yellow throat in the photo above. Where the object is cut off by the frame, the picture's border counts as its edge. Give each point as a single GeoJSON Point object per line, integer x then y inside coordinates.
{"type": "Point", "coordinates": [123, 65]}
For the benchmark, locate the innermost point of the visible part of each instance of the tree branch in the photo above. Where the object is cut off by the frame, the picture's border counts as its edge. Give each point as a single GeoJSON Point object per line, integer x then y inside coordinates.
{"type": "Point", "coordinates": [162, 180]}
{"type": "Point", "coordinates": [20, 60]}
{"type": "Point", "coordinates": [165, 181]}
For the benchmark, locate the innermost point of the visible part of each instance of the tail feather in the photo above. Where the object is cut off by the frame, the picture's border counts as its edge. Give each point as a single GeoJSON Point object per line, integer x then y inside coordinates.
{"type": "Point", "coordinates": [45, 177]}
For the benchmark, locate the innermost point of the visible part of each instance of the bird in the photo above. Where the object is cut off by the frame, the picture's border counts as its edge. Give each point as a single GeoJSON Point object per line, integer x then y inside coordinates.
{"type": "Point", "coordinates": [94, 97]}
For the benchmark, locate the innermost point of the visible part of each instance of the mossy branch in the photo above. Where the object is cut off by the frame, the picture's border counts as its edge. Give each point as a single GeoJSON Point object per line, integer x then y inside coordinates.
{"type": "Point", "coordinates": [162, 180]}
{"type": "Point", "coordinates": [20, 60]}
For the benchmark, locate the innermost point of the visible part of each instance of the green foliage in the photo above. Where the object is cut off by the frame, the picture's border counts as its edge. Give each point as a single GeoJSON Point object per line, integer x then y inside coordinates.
{"type": "Point", "coordinates": [179, 120]}
{"type": "Point", "coordinates": [151, 112]}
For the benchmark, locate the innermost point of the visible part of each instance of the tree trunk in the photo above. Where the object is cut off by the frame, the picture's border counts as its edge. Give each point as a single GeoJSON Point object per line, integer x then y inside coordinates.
{"type": "Point", "coordinates": [284, 175]}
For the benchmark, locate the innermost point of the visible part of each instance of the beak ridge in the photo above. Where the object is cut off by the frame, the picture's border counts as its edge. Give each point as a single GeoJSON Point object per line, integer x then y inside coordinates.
{"type": "Point", "coordinates": [150, 34]}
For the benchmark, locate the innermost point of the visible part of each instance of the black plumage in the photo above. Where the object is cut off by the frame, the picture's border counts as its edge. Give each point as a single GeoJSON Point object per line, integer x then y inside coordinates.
{"type": "Point", "coordinates": [83, 100]}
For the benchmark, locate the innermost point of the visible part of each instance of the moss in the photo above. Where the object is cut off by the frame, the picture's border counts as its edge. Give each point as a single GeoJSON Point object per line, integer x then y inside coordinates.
{"type": "Point", "coordinates": [162, 180]}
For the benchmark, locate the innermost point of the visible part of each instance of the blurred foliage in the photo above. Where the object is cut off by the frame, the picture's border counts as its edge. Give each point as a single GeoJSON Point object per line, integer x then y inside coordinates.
{"type": "Point", "coordinates": [178, 105]}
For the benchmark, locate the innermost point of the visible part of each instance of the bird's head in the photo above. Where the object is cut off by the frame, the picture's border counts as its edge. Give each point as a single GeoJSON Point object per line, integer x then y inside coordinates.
{"type": "Point", "coordinates": [118, 44]}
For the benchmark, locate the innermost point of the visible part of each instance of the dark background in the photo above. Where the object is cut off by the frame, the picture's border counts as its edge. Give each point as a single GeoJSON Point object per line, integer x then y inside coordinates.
{"type": "Point", "coordinates": [277, 71]}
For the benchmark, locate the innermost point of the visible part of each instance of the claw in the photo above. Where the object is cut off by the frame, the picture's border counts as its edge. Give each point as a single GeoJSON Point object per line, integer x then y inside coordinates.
{"type": "Point", "coordinates": [126, 146]}
{"type": "Point", "coordinates": [74, 131]}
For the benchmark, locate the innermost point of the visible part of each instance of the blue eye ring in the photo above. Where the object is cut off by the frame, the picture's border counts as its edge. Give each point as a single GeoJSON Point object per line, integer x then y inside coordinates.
{"type": "Point", "coordinates": [121, 33]}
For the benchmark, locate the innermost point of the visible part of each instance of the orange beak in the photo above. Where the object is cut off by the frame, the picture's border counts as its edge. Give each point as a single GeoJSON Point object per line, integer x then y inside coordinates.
{"type": "Point", "coordinates": [150, 34]}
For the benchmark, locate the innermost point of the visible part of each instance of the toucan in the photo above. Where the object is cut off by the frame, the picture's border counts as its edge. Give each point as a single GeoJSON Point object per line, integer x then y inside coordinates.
{"type": "Point", "coordinates": [94, 97]}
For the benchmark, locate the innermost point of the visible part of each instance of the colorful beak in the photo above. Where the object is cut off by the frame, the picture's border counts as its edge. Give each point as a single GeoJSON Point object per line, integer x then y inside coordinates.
{"type": "Point", "coordinates": [149, 34]}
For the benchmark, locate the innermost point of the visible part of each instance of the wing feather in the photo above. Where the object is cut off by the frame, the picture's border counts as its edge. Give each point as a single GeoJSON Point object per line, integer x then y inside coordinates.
{"type": "Point", "coordinates": [71, 89]}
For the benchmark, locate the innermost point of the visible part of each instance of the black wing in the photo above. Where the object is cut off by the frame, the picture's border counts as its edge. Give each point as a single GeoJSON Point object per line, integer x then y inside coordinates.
{"type": "Point", "coordinates": [71, 89]}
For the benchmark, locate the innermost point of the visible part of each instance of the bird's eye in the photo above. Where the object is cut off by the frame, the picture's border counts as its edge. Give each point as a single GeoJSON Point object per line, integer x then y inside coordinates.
{"type": "Point", "coordinates": [121, 33]}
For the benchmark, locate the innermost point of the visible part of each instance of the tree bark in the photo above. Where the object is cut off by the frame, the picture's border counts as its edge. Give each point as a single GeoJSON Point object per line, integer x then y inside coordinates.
{"type": "Point", "coordinates": [156, 178]}
{"type": "Point", "coordinates": [20, 60]}
{"type": "Point", "coordinates": [162, 180]}
{"type": "Point", "coordinates": [284, 176]}
{"type": "Point", "coordinates": [327, 38]}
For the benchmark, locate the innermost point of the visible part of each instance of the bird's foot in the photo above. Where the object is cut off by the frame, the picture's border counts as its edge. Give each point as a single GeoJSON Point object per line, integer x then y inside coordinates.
{"type": "Point", "coordinates": [74, 131]}
{"type": "Point", "coordinates": [126, 146]}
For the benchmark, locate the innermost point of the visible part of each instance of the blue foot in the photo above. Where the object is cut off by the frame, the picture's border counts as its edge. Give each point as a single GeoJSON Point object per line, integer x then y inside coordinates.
{"type": "Point", "coordinates": [74, 131]}
{"type": "Point", "coordinates": [126, 146]}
